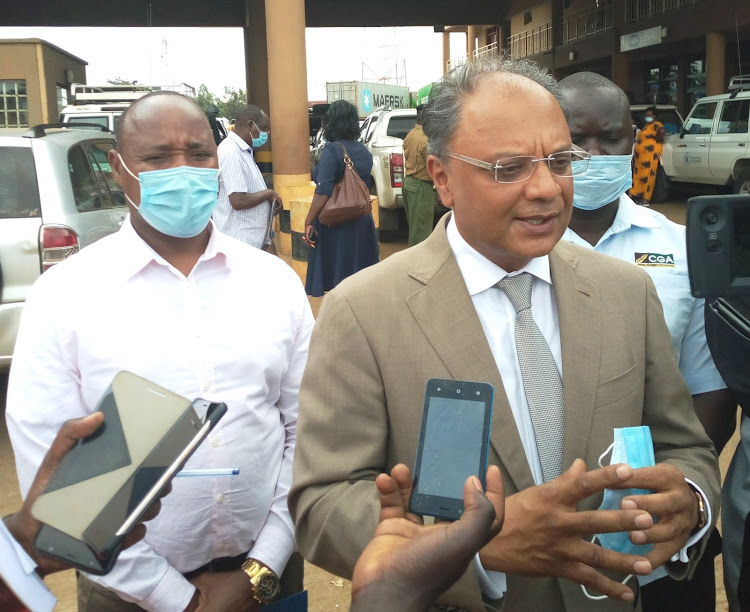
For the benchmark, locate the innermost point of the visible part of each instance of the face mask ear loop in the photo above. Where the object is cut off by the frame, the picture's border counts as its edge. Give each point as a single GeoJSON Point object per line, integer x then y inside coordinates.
{"type": "Point", "coordinates": [601, 597]}
{"type": "Point", "coordinates": [609, 448]}
{"type": "Point", "coordinates": [124, 165]}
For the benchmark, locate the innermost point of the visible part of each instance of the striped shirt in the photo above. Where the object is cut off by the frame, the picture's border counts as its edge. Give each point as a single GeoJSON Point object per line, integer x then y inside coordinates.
{"type": "Point", "coordinates": [240, 174]}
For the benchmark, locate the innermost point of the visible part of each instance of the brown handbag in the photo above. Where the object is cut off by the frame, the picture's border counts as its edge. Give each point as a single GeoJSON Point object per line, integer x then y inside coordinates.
{"type": "Point", "coordinates": [350, 199]}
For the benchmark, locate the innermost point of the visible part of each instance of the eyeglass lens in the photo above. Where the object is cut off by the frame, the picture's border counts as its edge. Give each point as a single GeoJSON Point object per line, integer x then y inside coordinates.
{"type": "Point", "coordinates": [564, 164]}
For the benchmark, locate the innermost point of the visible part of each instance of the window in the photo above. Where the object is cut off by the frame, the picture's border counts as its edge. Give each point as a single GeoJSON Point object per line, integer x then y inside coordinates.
{"type": "Point", "coordinates": [701, 120]}
{"type": "Point", "coordinates": [14, 105]}
{"type": "Point", "coordinates": [91, 177]}
{"type": "Point", "coordinates": [111, 192]}
{"type": "Point", "coordinates": [371, 128]}
{"type": "Point", "coordinates": [102, 120]}
{"type": "Point", "coordinates": [527, 18]}
{"type": "Point", "coordinates": [62, 98]}
{"type": "Point", "coordinates": [399, 127]}
{"type": "Point", "coordinates": [19, 193]}
{"type": "Point", "coordinates": [734, 117]}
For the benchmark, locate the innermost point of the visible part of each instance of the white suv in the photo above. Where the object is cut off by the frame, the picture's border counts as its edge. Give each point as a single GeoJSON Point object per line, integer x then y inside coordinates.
{"type": "Point", "coordinates": [714, 145]}
{"type": "Point", "coordinates": [57, 195]}
{"type": "Point", "coordinates": [383, 134]}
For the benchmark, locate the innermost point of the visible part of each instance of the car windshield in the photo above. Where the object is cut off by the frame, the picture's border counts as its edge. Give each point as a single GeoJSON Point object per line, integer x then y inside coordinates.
{"type": "Point", "coordinates": [19, 193]}
{"type": "Point", "coordinates": [400, 126]}
{"type": "Point", "coordinates": [668, 117]}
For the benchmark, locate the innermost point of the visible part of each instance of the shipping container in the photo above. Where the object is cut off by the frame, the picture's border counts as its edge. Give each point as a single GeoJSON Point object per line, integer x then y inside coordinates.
{"type": "Point", "coordinates": [368, 96]}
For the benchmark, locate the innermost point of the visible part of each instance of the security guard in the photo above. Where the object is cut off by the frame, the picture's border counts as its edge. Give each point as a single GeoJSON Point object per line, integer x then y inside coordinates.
{"type": "Point", "coordinates": [419, 198]}
{"type": "Point", "coordinates": [607, 220]}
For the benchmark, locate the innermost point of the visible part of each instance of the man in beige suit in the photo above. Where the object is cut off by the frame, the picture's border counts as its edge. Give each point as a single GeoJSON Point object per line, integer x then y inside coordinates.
{"type": "Point", "coordinates": [502, 159]}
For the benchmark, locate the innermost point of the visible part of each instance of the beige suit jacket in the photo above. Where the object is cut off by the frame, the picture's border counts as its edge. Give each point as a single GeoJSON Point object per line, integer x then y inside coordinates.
{"type": "Point", "coordinates": [385, 331]}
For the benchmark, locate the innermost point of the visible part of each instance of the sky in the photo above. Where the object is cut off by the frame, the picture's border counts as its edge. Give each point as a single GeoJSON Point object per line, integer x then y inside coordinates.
{"type": "Point", "coordinates": [215, 56]}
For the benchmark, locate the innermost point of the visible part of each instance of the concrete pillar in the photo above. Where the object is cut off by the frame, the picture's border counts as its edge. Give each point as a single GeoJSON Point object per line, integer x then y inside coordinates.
{"type": "Point", "coordinates": [556, 19]}
{"type": "Point", "coordinates": [256, 74]}
{"type": "Point", "coordinates": [287, 92]}
{"type": "Point", "coordinates": [620, 62]}
{"type": "Point", "coordinates": [716, 63]}
{"type": "Point", "coordinates": [621, 70]}
{"type": "Point", "coordinates": [446, 50]}
{"type": "Point", "coordinates": [471, 42]}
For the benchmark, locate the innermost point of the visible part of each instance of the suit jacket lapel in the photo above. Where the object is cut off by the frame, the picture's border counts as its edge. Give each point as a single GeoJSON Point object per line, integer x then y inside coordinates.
{"type": "Point", "coordinates": [580, 317]}
{"type": "Point", "coordinates": [455, 333]}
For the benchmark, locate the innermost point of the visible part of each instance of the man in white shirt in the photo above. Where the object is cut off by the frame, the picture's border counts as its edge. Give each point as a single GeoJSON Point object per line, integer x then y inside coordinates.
{"type": "Point", "coordinates": [606, 220]}
{"type": "Point", "coordinates": [501, 157]}
{"type": "Point", "coordinates": [244, 209]}
{"type": "Point", "coordinates": [153, 299]}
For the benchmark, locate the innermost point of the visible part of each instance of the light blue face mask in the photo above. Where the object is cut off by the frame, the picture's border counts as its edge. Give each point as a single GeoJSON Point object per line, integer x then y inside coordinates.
{"type": "Point", "coordinates": [632, 445]}
{"type": "Point", "coordinates": [177, 202]}
{"type": "Point", "coordinates": [605, 180]}
{"type": "Point", "coordinates": [261, 139]}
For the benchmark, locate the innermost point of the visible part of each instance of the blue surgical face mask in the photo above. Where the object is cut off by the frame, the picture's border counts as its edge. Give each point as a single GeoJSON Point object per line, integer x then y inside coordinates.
{"type": "Point", "coordinates": [648, 119]}
{"type": "Point", "coordinates": [605, 180]}
{"type": "Point", "coordinates": [632, 445]}
{"type": "Point", "coordinates": [177, 202]}
{"type": "Point", "coordinates": [261, 139]}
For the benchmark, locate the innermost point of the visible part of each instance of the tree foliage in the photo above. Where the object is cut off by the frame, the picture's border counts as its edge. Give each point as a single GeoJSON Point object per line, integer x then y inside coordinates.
{"type": "Point", "coordinates": [120, 81]}
{"type": "Point", "coordinates": [231, 102]}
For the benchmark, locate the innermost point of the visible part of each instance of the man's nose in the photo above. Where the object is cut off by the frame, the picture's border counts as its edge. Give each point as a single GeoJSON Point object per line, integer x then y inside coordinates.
{"type": "Point", "coordinates": [542, 185]}
{"type": "Point", "coordinates": [592, 145]}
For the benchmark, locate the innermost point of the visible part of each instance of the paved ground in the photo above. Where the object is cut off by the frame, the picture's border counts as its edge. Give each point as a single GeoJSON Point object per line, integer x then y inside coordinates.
{"type": "Point", "coordinates": [327, 592]}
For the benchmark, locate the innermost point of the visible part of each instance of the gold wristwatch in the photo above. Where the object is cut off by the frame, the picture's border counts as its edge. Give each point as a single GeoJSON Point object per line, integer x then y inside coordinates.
{"type": "Point", "coordinates": [702, 518]}
{"type": "Point", "coordinates": [265, 582]}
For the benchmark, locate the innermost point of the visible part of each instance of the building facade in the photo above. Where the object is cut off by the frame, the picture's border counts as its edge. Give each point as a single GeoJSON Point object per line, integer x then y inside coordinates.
{"type": "Point", "coordinates": [658, 51]}
{"type": "Point", "coordinates": [35, 77]}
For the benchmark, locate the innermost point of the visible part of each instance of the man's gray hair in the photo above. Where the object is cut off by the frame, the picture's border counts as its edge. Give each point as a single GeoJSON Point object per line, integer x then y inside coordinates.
{"type": "Point", "coordinates": [443, 110]}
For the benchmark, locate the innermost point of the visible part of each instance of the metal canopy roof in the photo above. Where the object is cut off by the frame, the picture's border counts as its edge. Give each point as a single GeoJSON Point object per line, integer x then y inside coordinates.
{"type": "Point", "coordinates": [231, 13]}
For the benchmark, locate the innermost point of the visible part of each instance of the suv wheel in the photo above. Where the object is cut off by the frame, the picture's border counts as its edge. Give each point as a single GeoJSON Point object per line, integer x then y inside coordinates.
{"type": "Point", "coordinates": [742, 182]}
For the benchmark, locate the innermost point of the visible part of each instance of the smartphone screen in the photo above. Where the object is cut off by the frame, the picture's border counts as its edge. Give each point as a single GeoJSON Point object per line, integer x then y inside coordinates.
{"type": "Point", "coordinates": [453, 445]}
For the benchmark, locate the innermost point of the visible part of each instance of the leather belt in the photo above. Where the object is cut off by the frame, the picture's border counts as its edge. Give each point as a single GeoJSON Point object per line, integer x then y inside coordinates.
{"type": "Point", "coordinates": [223, 564]}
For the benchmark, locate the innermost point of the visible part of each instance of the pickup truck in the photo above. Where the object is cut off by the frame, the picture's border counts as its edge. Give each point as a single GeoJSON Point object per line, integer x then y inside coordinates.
{"type": "Point", "coordinates": [713, 147]}
{"type": "Point", "coordinates": [383, 134]}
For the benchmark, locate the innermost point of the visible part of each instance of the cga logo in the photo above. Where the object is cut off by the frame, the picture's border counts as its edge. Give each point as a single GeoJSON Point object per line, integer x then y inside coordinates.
{"type": "Point", "coordinates": [654, 260]}
{"type": "Point", "coordinates": [686, 159]}
{"type": "Point", "coordinates": [366, 100]}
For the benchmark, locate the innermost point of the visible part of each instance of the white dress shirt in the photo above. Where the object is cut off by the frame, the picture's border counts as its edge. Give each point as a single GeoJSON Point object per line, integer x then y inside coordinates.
{"type": "Point", "coordinates": [236, 330]}
{"type": "Point", "coordinates": [18, 571]}
{"type": "Point", "coordinates": [498, 318]}
{"type": "Point", "coordinates": [240, 174]}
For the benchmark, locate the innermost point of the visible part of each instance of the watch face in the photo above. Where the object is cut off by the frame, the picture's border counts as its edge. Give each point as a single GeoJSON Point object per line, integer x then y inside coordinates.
{"type": "Point", "coordinates": [267, 587]}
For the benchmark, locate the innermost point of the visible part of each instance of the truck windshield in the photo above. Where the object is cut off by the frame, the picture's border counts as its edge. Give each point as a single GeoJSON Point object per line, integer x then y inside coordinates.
{"type": "Point", "coordinates": [19, 193]}
{"type": "Point", "coordinates": [99, 120]}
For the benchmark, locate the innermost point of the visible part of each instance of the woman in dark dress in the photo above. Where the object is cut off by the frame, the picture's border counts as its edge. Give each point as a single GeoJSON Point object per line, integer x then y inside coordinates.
{"type": "Point", "coordinates": [340, 251]}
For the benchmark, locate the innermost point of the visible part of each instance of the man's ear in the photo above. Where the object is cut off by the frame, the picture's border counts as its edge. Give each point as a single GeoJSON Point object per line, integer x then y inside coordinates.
{"type": "Point", "coordinates": [437, 170]}
{"type": "Point", "coordinates": [117, 170]}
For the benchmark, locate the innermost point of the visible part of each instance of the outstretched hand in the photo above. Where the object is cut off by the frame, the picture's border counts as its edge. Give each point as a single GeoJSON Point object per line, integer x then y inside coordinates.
{"type": "Point", "coordinates": [24, 527]}
{"type": "Point", "coordinates": [544, 534]}
{"type": "Point", "coordinates": [408, 563]}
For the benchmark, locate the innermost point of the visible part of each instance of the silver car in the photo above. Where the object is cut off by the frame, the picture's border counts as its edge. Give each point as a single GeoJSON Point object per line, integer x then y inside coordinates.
{"type": "Point", "coordinates": [57, 195]}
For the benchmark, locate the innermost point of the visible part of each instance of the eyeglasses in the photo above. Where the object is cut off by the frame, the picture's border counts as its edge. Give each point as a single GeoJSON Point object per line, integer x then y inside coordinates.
{"type": "Point", "coordinates": [521, 167]}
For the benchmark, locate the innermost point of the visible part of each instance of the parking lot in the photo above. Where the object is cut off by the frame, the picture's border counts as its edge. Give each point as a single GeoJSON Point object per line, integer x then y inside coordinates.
{"type": "Point", "coordinates": [326, 592]}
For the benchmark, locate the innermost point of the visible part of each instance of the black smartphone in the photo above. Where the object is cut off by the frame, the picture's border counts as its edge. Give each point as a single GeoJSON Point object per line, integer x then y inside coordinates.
{"type": "Point", "coordinates": [453, 444]}
{"type": "Point", "coordinates": [105, 484]}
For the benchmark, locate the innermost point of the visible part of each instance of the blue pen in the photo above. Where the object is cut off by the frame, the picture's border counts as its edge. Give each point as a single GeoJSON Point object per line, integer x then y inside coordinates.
{"type": "Point", "coordinates": [209, 472]}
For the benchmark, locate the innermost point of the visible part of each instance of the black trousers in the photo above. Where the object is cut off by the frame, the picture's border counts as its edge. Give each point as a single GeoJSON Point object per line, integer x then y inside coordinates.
{"type": "Point", "coordinates": [696, 595]}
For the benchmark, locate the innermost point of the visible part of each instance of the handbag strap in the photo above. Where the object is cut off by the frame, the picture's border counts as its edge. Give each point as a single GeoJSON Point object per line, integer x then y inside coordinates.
{"type": "Point", "coordinates": [347, 160]}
